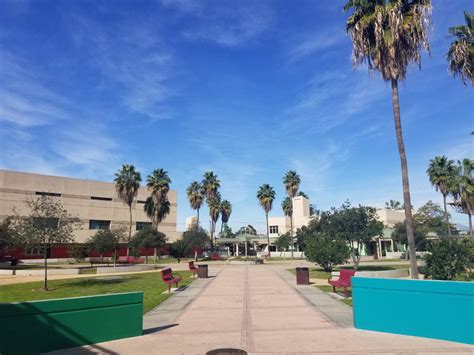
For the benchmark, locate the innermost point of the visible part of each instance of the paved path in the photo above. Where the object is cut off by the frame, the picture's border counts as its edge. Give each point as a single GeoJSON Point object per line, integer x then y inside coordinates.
{"type": "Point", "coordinates": [259, 309]}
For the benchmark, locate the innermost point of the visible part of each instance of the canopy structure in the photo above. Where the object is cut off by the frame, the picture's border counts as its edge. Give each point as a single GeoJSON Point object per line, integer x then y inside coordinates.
{"type": "Point", "coordinates": [254, 241]}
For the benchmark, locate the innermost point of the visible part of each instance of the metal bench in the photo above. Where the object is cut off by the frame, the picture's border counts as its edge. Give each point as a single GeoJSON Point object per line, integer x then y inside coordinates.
{"type": "Point", "coordinates": [344, 280]}
{"type": "Point", "coordinates": [168, 278]}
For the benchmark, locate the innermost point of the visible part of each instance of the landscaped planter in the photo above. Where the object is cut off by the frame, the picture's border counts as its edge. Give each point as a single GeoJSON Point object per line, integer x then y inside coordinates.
{"type": "Point", "coordinates": [43, 326]}
{"type": "Point", "coordinates": [426, 308]}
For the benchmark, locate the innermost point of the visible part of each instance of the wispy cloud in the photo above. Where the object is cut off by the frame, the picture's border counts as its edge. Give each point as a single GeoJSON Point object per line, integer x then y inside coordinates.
{"type": "Point", "coordinates": [313, 43]}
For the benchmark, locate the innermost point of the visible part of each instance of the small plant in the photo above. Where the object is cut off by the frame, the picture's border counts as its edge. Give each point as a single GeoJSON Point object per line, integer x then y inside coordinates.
{"type": "Point", "coordinates": [78, 252]}
{"type": "Point", "coordinates": [448, 259]}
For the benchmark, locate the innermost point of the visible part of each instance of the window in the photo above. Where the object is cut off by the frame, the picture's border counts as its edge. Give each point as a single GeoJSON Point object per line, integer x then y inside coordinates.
{"type": "Point", "coordinates": [141, 201]}
{"type": "Point", "coordinates": [97, 224]}
{"type": "Point", "coordinates": [273, 229]}
{"type": "Point", "coordinates": [142, 225]}
{"type": "Point", "coordinates": [53, 194]}
{"type": "Point", "coordinates": [101, 198]}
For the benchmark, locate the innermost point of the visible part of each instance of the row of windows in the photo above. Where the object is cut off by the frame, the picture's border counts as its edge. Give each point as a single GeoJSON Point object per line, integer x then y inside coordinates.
{"type": "Point", "coordinates": [101, 224]}
{"type": "Point", "coordinates": [55, 194]}
{"type": "Point", "coordinates": [273, 229]}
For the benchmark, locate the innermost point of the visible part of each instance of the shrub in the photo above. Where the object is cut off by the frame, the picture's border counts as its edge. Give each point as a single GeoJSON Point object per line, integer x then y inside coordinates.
{"type": "Point", "coordinates": [326, 251]}
{"type": "Point", "coordinates": [449, 257]}
{"type": "Point", "coordinates": [78, 252]}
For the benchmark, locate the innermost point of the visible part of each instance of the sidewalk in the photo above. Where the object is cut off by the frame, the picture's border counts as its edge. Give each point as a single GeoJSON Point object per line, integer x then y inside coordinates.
{"type": "Point", "coordinates": [260, 310]}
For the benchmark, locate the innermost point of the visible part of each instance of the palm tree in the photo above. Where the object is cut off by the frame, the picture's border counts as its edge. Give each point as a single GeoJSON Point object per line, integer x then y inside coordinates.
{"type": "Point", "coordinates": [463, 191]}
{"type": "Point", "coordinates": [266, 196]}
{"type": "Point", "coordinates": [287, 207]}
{"type": "Point", "coordinates": [226, 211]}
{"type": "Point", "coordinates": [301, 193]}
{"type": "Point", "coordinates": [158, 183]}
{"type": "Point", "coordinates": [214, 204]}
{"type": "Point", "coordinates": [441, 173]}
{"type": "Point", "coordinates": [127, 182]}
{"type": "Point", "coordinates": [388, 35]}
{"type": "Point", "coordinates": [157, 212]}
{"type": "Point", "coordinates": [393, 205]}
{"type": "Point", "coordinates": [195, 198]}
{"type": "Point", "coordinates": [292, 181]}
{"type": "Point", "coordinates": [210, 184]}
{"type": "Point", "coordinates": [461, 52]}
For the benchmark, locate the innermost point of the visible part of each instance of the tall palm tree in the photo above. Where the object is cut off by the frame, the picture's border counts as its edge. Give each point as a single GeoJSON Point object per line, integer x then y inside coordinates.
{"type": "Point", "coordinates": [301, 193]}
{"type": "Point", "coordinates": [292, 181]}
{"type": "Point", "coordinates": [461, 52]}
{"type": "Point", "coordinates": [158, 183]}
{"type": "Point", "coordinates": [157, 212]}
{"type": "Point", "coordinates": [287, 207]}
{"type": "Point", "coordinates": [127, 182]}
{"type": "Point", "coordinates": [463, 191]}
{"type": "Point", "coordinates": [195, 198]}
{"type": "Point", "coordinates": [226, 211]}
{"type": "Point", "coordinates": [210, 184]}
{"type": "Point", "coordinates": [214, 204]}
{"type": "Point", "coordinates": [388, 35]}
{"type": "Point", "coordinates": [266, 196]}
{"type": "Point", "coordinates": [441, 172]}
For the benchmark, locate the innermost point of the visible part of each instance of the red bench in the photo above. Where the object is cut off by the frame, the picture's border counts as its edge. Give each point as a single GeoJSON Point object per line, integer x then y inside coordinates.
{"type": "Point", "coordinates": [168, 278]}
{"type": "Point", "coordinates": [344, 280]}
{"type": "Point", "coordinates": [215, 256]}
{"type": "Point", "coordinates": [129, 260]}
{"type": "Point", "coordinates": [193, 268]}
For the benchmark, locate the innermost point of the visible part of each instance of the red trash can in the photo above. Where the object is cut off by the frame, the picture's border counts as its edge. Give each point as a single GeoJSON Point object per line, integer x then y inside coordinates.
{"type": "Point", "coordinates": [302, 276]}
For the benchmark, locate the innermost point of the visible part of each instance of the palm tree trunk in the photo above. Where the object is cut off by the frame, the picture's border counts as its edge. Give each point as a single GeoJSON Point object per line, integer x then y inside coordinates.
{"type": "Point", "coordinates": [197, 222]}
{"type": "Point", "coordinates": [129, 230]}
{"type": "Point", "coordinates": [45, 255]}
{"type": "Point", "coordinates": [222, 226]}
{"type": "Point", "coordinates": [446, 215]}
{"type": "Point", "coordinates": [470, 223]}
{"type": "Point", "coordinates": [268, 235]}
{"type": "Point", "coordinates": [405, 181]}
{"type": "Point", "coordinates": [291, 231]}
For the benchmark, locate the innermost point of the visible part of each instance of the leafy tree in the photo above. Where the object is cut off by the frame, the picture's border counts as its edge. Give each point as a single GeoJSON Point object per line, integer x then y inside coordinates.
{"type": "Point", "coordinates": [292, 182]}
{"type": "Point", "coordinates": [196, 239]}
{"type": "Point", "coordinates": [226, 211]}
{"type": "Point", "coordinates": [442, 174]}
{"type": "Point", "coordinates": [195, 198]}
{"type": "Point", "coordinates": [127, 182]}
{"type": "Point", "coordinates": [266, 196]}
{"type": "Point", "coordinates": [47, 224]}
{"type": "Point", "coordinates": [461, 52]}
{"type": "Point", "coordinates": [399, 235]}
{"type": "Point", "coordinates": [388, 35]}
{"type": "Point", "coordinates": [463, 190]}
{"type": "Point", "coordinates": [326, 250]}
{"type": "Point", "coordinates": [431, 219]}
{"type": "Point", "coordinates": [227, 232]}
{"type": "Point", "coordinates": [449, 257]}
{"type": "Point", "coordinates": [283, 242]}
{"type": "Point", "coordinates": [78, 251]}
{"type": "Point", "coordinates": [393, 205]}
{"type": "Point", "coordinates": [179, 249]}
{"type": "Point", "coordinates": [7, 234]}
{"type": "Point", "coordinates": [148, 238]}
{"type": "Point", "coordinates": [108, 241]}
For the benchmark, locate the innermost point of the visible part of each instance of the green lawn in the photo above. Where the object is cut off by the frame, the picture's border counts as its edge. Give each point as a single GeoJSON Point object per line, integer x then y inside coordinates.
{"type": "Point", "coordinates": [149, 283]}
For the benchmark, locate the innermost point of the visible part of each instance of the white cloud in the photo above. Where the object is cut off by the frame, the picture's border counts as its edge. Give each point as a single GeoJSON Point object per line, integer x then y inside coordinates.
{"type": "Point", "coordinates": [316, 42]}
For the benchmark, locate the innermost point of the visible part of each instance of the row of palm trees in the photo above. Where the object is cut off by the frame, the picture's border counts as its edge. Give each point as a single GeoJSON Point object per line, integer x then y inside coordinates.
{"type": "Point", "coordinates": [208, 190]}
{"type": "Point", "coordinates": [455, 180]}
{"type": "Point", "coordinates": [157, 206]}
{"type": "Point", "coordinates": [266, 195]}
{"type": "Point", "coordinates": [389, 35]}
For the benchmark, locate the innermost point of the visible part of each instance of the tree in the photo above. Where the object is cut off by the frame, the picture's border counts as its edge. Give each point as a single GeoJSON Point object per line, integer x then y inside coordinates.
{"type": "Point", "coordinates": [157, 212]}
{"type": "Point", "coordinates": [301, 193]}
{"type": "Point", "coordinates": [266, 196]}
{"type": "Point", "coordinates": [7, 235]}
{"type": "Point", "coordinates": [463, 190]}
{"type": "Point", "coordinates": [148, 238]}
{"type": "Point", "coordinates": [326, 250]}
{"type": "Point", "coordinates": [442, 174]}
{"type": "Point", "coordinates": [210, 189]}
{"type": "Point", "coordinates": [287, 207]}
{"type": "Point", "coordinates": [196, 239]}
{"type": "Point", "coordinates": [388, 35]}
{"type": "Point", "coordinates": [127, 182]}
{"type": "Point", "coordinates": [158, 183]}
{"type": "Point", "coordinates": [399, 236]}
{"type": "Point", "coordinates": [431, 219]}
{"type": "Point", "coordinates": [47, 224]}
{"type": "Point", "coordinates": [283, 242]}
{"type": "Point", "coordinates": [226, 211]}
{"type": "Point", "coordinates": [214, 204]}
{"type": "Point", "coordinates": [227, 232]}
{"type": "Point", "coordinates": [179, 249]}
{"type": "Point", "coordinates": [292, 181]}
{"type": "Point", "coordinates": [393, 205]}
{"type": "Point", "coordinates": [447, 259]}
{"type": "Point", "coordinates": [108, 241]}
{"type": "Point", "coordinates": [195, 198]}
{"type": "Point", "coordinates": [461, 52]}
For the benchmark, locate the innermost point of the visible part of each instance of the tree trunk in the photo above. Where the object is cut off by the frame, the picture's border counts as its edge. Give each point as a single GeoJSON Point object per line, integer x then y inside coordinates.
{"type": "Point", "coordinates": [405, 181]}
{"type": "Point", "coordinates": [197, 222]}
{"type": "Point", "coordinates": [268, 235]}
{"type": "Point", "coordinates": [45, 254]}
{"type": "Point", "coordinates": [155, 254]}
{"type": "Point", "coordinates": [222, 226]}
{"type": "Point", "coordinates": [446, 215]}
{"type": "Point", "coordinates": [146, 257]}
{"type": "Point", "coordinates": [470, 223]}
{"type": "Point", "coordinates": [115, 257]}
{"type": "Point", "coordinates": [291, 231]}
{"type": "Point", "coordinates": [129, 230]}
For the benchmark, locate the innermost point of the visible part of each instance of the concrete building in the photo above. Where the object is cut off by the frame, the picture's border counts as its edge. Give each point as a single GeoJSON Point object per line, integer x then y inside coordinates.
{"type": "Point", "coordinates": [301, 217]}
{"type": "Point", "coordinates": [390, 217]}
{"type": "Point", "coordinates": [95, 203]}
{"type": "Point", "coordinates": [191, 222]}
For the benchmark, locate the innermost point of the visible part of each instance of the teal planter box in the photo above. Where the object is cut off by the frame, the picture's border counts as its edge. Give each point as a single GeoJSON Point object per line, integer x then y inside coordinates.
{"type": "Point", "coordinates": [42, 326]}
{"type": "Point", "coordinates": [425, 308]}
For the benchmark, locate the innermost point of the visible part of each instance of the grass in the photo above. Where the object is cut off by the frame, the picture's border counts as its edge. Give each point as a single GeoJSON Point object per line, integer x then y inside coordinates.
{"type": "Point", "coordinates": [150, 284]}
{"type": "Point", "coordinates": [328, 288]}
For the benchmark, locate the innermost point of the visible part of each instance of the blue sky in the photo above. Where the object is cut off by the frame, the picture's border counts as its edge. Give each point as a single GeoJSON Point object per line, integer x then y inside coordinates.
{"type": "Point", "coordinates": [248, 89]}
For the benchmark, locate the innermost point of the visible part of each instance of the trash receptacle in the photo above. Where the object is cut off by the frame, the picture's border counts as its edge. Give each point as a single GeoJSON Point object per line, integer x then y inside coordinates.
{"type": "Point", "coordinates": [302, 276]}
{"type": "Point", "coordinates": [14, 261]}
{"type": "Point", "coordinates": [202, 271]}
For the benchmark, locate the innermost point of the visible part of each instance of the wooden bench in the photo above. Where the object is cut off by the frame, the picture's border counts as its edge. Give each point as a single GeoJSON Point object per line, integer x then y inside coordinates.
{"type": "Point", "coordinates": [168, 278]}
{"type": "Point", "coordinates": [344, 280]}
{"type": "Point", "coordinates": [192, 268]}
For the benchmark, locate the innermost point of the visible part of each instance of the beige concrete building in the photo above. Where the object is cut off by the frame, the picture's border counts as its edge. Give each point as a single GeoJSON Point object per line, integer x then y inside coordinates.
{"type": "Point", "coordinates": [301, 217]}
{"type": "Point", "coordinates": [390, 217]}
{"type": "Point", "coordinates": [95, 203]}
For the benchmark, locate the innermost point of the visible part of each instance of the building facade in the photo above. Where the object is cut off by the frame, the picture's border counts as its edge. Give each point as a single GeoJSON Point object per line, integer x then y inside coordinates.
{"type": "Point", "coordinates": [301, 217]}
{"type": "Point", "coordinates": [95, 203]}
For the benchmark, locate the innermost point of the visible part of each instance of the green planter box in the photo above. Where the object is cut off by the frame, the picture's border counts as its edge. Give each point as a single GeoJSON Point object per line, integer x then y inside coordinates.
{"type": "Point", "coordinates": [42, 326]}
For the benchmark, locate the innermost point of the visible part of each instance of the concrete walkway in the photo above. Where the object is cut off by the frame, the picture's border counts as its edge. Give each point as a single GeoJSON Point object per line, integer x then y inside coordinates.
{"type": "Point", "coordinates": [260, 310]}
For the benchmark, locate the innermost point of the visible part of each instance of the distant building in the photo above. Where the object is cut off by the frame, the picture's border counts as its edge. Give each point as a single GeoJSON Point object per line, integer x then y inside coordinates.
{"type": "Point", "coordinates": [191, 222]}
{"type": "Point", "coordinates": [301, 217]}
{"type": "Point", "coordinates": [390, 217]}
{"type": "Point", "coordinates": [95, 203]}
